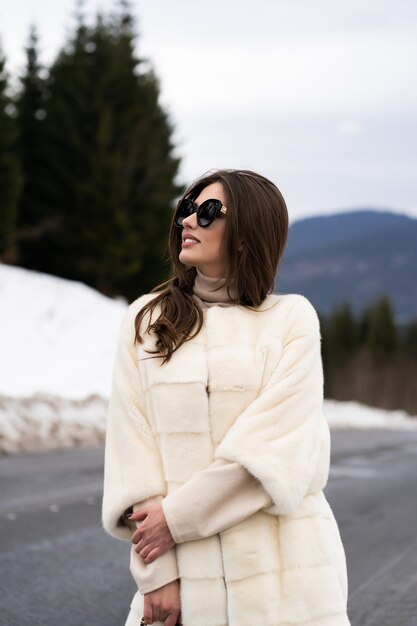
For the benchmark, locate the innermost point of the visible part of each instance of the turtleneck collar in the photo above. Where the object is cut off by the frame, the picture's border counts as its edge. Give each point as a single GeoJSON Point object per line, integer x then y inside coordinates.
{"type": "Point", "coordinates": [204, 287]}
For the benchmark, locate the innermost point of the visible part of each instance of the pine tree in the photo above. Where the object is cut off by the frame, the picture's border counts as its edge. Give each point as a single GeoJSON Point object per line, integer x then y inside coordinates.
{"type": "Point", "coordinates": [34, 219]}
{"type": "Point", "coordinates": [382, 334]}
{"type": "Point", "coordinates": [325, 347]}
{"type": "Point", "coordinates": [342, 333]}
{"type": "Point", "coordinates": [410, 339]}
{"type": "Point", "coordinates": [10, 177]}
{"type": "Point", "coordinates": [111, 181]}
{"type": "Point", "coordinates": [365, 324]}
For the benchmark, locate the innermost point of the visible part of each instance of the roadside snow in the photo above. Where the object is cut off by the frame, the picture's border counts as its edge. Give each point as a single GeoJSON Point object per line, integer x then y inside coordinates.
{"type": "Point", "coordinates": [43, 422]}
{"type": "Point", "coordinates": [57, 347]}
{"type": "Point", "coordinates": [355, 415]}
{"type": "Point", "coordinates": [57, 336]}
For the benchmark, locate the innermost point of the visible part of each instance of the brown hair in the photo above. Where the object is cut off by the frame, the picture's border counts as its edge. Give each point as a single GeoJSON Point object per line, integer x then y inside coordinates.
{"type": "Point", "coordinates": [257, 216]}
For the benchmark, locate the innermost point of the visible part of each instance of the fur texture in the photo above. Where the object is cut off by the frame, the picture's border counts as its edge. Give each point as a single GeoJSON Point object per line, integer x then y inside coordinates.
{"type": "Point", "coordinates": [248, 388]}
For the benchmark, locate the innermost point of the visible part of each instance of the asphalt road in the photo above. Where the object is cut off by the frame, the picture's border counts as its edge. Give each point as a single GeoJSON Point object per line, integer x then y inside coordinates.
{"type": "Point", "coordinates": [59, 568]}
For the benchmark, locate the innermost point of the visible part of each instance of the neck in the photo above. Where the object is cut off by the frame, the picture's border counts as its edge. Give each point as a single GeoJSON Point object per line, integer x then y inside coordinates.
{"type": "Point", "coordinates": [212, 291]}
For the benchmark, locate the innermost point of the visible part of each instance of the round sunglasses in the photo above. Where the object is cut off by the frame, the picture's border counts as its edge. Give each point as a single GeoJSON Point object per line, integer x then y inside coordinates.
{"type": "Point", "coordinates": [206, 212]}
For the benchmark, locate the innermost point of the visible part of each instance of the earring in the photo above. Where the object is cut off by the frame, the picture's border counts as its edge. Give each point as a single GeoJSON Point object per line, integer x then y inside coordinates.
{"type": "Point", "coordinates": [240, 248]}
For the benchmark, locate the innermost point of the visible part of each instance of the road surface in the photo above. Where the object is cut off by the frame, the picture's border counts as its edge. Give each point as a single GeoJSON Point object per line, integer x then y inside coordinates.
{"type": "Point", "coordinates": [59, 568]}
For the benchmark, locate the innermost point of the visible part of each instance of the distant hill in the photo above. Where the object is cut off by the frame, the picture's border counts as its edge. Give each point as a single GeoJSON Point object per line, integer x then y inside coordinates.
{"type": "Point", "coordinates": [353, 256]}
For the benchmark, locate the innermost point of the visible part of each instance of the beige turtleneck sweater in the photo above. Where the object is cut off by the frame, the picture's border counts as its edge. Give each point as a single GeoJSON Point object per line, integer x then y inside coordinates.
{"type": "Point", "coordinates": [211, 291]}
{"type": "Point", "coordinates": [211, 501]}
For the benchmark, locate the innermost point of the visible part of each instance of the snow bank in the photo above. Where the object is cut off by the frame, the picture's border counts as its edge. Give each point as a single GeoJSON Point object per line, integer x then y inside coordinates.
{"type": "Point", "coordinates": [43, 422]}
{"type": "Point", "coordinates": [57, 337]}
{"type": "Point", "coordinates": [57, 347]}
{"type": "Point", "coordinates": [355, 415]}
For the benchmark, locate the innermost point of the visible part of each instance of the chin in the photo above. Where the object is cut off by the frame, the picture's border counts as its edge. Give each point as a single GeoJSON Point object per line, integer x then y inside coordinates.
{"type": "Point", "coordinates": [186, 259]}
{"type": "Point", "coordinates": [187, 265]}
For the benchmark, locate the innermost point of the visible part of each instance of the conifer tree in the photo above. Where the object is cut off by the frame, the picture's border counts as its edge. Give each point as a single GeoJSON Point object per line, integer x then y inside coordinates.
{"type": "Point", "coordinates": [382, 333]}
{"type": "Point", "coordinates": [10, 178]}
{"type": "Point", "coordinates": [410, 339]}
{"type": "Point", "coordinates": [364, 324]}
{"type": "Point", "coordinates": [342, 333]}
{"type": "Point", "coordinates": [34, 219]}
{"type": "Point", "coordinates": [324, 347]}
{"type": "Point", "coordinates": [111, 182]}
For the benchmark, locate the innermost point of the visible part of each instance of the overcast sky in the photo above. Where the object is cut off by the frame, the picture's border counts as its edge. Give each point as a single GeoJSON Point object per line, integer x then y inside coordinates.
{"type": "Point", "coordinates": [320, 96]}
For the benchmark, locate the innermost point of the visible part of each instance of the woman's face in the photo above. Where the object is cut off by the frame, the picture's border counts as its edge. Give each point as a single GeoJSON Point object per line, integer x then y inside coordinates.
{"type": "Point", "coordinates": [207, 252]}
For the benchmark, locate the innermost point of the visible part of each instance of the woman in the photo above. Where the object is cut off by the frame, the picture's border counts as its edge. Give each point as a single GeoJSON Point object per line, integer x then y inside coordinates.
{"type": "Point", "coordinates": [217, 449]}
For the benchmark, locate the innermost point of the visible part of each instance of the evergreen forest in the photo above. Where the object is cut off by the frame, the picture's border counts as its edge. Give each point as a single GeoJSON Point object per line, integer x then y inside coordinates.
{"type": "Point", "coordinates": [87, 165]}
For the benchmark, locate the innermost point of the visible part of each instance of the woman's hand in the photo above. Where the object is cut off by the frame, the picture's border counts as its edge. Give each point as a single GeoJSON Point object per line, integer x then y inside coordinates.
{"type": "Point", "coordinates": [163, 605]}
{"type": "Point", "coordinates": [153, 537]}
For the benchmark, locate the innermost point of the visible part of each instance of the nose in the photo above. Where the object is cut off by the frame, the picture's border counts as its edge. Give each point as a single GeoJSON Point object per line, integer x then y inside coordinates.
{"type": "Point", "coordinates": [190, 221]}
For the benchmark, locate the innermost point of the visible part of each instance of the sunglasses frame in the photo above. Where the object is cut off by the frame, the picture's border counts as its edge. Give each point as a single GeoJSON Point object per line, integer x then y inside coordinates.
{"type": "Point", "coordinates": [198, 210]}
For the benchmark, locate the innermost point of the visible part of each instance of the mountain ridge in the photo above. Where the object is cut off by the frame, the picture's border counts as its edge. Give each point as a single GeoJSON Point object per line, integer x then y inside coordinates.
{"type": "Point", "coordinates": [353, 256]}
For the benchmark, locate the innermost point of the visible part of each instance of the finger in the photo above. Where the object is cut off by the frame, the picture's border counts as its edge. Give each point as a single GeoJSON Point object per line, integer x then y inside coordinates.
{"type": "Point", "coordinates": [172, 619]}
{"type": "Point", "coordinates": [140, 546]}
{"type": "Point", "coordinates": [139, 515]}
{"type": "Point", "coordinates": [157, 612]}
{"type": "Point", "coordinates": [136, 537]}
{"type": "Point", "coordinates": [154, 554]}
{"type": "Point", "coordinates": [146, 550]}
{"type": "Point", "coordinates": [147, 610]}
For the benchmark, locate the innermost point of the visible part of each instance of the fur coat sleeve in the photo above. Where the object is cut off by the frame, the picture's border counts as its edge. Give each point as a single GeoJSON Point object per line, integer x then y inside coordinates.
{"type": "Point", "coordinates": [277, 437]}
{"type": "Point", "coordinates": [133, 468]}
{"type": "Point", "coordinates": [222, 496]}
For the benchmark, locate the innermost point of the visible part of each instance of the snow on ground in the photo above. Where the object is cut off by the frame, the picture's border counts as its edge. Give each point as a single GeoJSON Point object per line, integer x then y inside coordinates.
{"type": "Point", "coordinates": [355, 415]}
{"type": "Point", "coordinates": [57, 346]}
{"type": "Point", "coordinates": [44, 422]}
{"type": "Point", "coordinates": [57, 336]}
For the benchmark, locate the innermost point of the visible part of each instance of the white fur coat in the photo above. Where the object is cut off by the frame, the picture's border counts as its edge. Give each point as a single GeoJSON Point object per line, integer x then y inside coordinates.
{"type": "Point", "coordinates": [247, 388]}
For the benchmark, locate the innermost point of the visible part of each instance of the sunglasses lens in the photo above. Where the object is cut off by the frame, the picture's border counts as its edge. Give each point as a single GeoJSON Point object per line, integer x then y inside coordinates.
{"type": "Point", "coordinates": [186, 208]}
{"type": "Point", "coordinates": [207, 212]}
